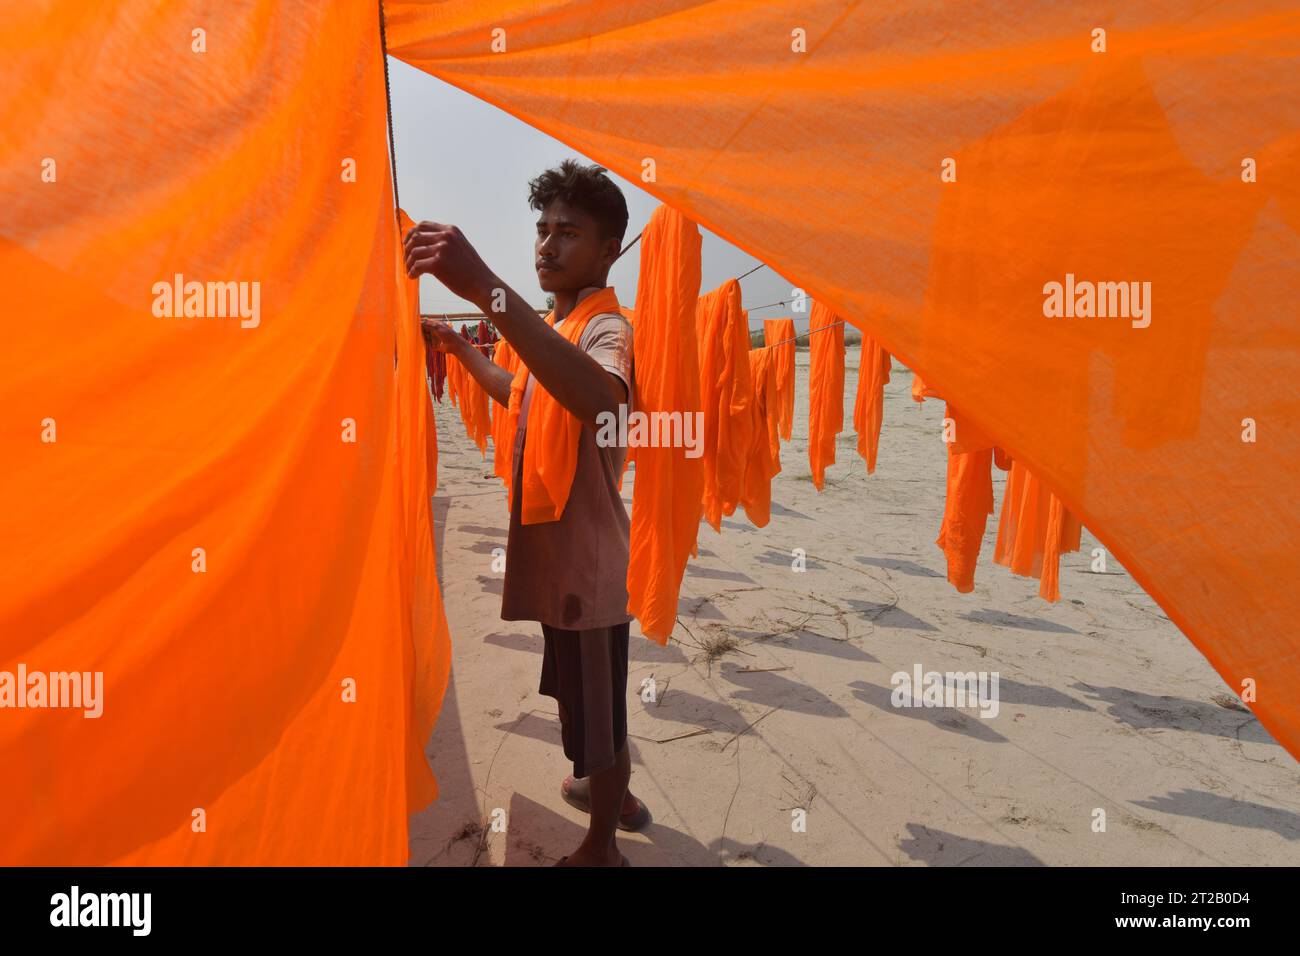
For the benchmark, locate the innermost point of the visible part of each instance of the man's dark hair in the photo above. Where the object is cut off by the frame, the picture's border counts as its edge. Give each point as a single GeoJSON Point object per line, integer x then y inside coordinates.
{"type": "Point", "coordinates": [586, 188]}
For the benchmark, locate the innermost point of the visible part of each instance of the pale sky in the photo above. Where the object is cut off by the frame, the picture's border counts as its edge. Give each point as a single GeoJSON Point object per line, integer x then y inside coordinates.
{"type": "Point", "coordinates": [463, 161]}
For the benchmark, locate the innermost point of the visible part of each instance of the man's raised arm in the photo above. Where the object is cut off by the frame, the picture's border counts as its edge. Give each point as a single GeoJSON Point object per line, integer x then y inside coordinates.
{"type": "Point", "coordinates": [574, 378]}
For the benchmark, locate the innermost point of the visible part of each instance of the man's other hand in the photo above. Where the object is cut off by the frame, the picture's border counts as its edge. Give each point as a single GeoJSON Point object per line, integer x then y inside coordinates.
{"type": "Point", "coordinates": [443, 252]}
{"type": "Point", "coordinates": [441, 335]}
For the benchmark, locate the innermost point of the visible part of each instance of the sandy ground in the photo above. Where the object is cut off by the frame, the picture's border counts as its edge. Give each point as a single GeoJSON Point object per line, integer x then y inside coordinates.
{"type": "Point", "coordinates": [1103, 703]}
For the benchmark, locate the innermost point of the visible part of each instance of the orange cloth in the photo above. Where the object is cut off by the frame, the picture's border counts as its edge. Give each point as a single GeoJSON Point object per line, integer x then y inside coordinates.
{"type": "Point", "coordinates": [869, 405]}
{"type": "Point", "coordinates": [937, 236]}
{"type": "Point", "coordinates": [230, 516]}
{"type": "Point", "coordinates": [455, 377]}
{"type": "Point", "coordinates": [727, 397]}
{"type": "Point", "coordinates": [669, 487]}
{"type": "Point", "coordinates": [969, 500]}
{"type": "Point", "coordinates": [425, 637]}
{"type": "Point", "coordinates": [778, 334]}
{"type": "Point", "coordinates": [1034, 530]}
{"type": "Point", "coordinates": [502, 450]}
{"type": "Point", "coordinates": [920, 391]}
{"type": "Point", "coordinates": [825, 389]}
{"type": "Point", "coordinates": [408, 310]}
{"type": "Point", "coordinates": [551, 453]}
{"type": "Point", "coordinates": [1139, 430]}
{"type": "Point", "coordinates": [474, 412]}
{"type": "Point", "coordinates": [762, 462]}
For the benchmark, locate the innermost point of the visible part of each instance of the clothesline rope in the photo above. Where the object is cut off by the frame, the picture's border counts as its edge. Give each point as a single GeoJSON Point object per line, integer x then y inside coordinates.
{"type": "Point", "coordinates": [769, 305]}
{"type": "Point", "coordinates": [797, 335]}
{"type": "Point", "coordinates": [491, 346]}
{"type": "Point", "coordinates": [630, 245]}
{"type": "Point", "coordinates": [388, 96]}
{"type": "Point", "coordinates": [471, 316]}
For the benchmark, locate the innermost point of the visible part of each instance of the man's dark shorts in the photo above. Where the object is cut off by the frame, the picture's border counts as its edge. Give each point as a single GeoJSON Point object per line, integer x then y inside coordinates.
{"type": "Point", "coordinates": [586, 671]}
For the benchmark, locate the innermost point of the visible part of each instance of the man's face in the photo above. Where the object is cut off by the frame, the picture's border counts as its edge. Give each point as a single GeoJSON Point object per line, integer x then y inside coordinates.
{"type": "Point", "coordinates": [570, 253]}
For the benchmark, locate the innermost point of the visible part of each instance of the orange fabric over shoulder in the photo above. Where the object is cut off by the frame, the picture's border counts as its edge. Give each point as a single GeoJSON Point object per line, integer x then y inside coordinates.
{"type": "Point", "coordinates": [551, 453]}
{"type": "Point", "coordinates": [825, 389]}
{"type": "Point", "coordinates": [727, 396]}
{"type": "Point", "coordinates": [782, 331]}
{"type": "Point", "coordinates": [869, 404]}
{"type": "Point", "coordinates": [669, 486]}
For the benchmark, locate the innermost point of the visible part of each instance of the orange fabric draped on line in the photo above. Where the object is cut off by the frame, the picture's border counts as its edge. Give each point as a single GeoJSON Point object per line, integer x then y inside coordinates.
{"type": "Point", "coordinates": [1034, 530]}
{"type": "Point", "coordinates": [779, 335]}
{"type": "Point", "coordinates": [669, 487]}
{"type": "Point", "coordinates": [474, 410]}
{"type": "Point", "coordinates": [763, 460]}
{"type": "Point", "coordinates": [727, 396]}
{"type": "Point", "coordinates": [825, 389]}
{"type": "Point", "coordinates": [969, 500]}
{"type": "Point", "coordinates": [869, 405]}
{"type": "Point", "coordinates": [251, 567]}
{"type": "Point", "coordinates": [551, 453]}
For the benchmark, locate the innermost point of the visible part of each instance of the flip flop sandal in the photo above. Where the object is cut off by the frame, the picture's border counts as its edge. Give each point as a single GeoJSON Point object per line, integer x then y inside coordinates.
{"type": "Point", "coordinates": [578, 796]}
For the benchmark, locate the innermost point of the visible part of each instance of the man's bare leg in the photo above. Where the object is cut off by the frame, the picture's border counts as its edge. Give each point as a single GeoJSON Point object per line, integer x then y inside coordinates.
{"type": "Point", "coordinates": [630, 802]}
{"type": "Point", "coordinates": [609, 794]}
{"type": "Point", "coordinates": [608, 788]}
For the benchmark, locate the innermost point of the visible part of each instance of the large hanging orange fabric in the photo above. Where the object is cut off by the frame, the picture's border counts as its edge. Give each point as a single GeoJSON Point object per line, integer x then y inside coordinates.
{"type": "Point", "coordinates": [1172, 163]}
{"type": "Point", "coordinates": [779, 335]}
{"type": "Point", "coordinates": [669, 486]}
{"type": "Point", "coordinates": [767, 398]}
{"type": "Point", "coordinates": [551, 457]}
{"type": "Point", "coordinates": [1168, 145]}
{"type": "Point", "coordinates": [727, 397]}
{"type": "Point", "coordinates": [825, 389]}
{"type": "Point", "coordinates": [869, 404]}
{"type": "Point", "coordinates": [226, 512]}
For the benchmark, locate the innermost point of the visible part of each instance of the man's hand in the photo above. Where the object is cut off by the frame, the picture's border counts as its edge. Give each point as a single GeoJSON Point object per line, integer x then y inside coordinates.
{"type": "Point", "coordinates": [441, 335]}
{"type": "Point", "coordinates": [444, 253]}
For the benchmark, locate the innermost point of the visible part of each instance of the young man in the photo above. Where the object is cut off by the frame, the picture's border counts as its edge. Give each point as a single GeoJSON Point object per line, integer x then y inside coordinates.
{"type": "Point", "coordinates": [568, 573]}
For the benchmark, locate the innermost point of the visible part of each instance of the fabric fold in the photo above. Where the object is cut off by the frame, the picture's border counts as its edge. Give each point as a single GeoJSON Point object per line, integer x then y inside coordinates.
{"type": "Point", "coordinates": [869, 403]}
{"type": "Point", "coordinates": [668, 491]}
{"type": "Point", "coordinates": [779, 335]}
{"type": "Point", "coordinates": [825, 389]}
{"type": "Point", "coordinates": [727, 396]}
